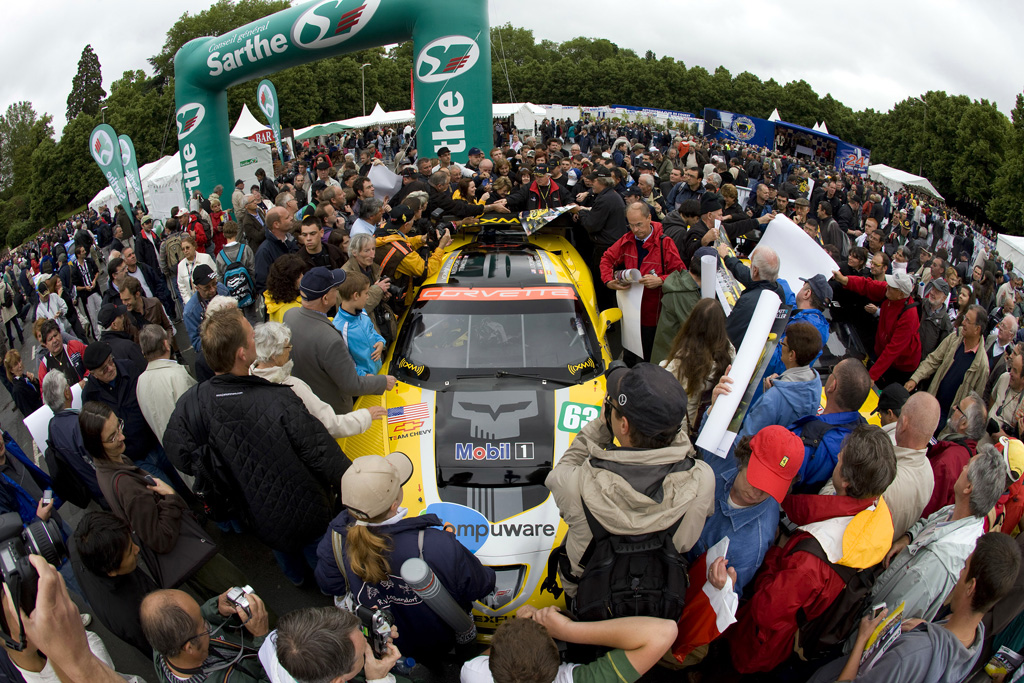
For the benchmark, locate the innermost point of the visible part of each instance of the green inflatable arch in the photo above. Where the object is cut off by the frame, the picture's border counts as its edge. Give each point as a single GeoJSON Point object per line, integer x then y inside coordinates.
{"type": "Point", "coordinates": [452, 72]}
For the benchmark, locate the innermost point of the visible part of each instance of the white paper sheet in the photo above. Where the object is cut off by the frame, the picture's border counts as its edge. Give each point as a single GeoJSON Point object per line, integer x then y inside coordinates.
{"type": "Point", "coordinates": [716, 437]}
{"type": "Point", "coordinates": [799, 255]}
{"type": "Point", "coordinates": [385, 183]}
{"type": "Point", "coordinates": [708, 273]}
{"type": "Point", "coordinates": [629, 304]}
{"type": "Point", "coordinates": [725, 602]}
{"type": "Point", "coordinates": [38, 422]}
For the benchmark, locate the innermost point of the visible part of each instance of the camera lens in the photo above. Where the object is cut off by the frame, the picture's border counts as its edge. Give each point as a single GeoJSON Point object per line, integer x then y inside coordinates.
{"type": "Point", "coordinates": [45, 539]}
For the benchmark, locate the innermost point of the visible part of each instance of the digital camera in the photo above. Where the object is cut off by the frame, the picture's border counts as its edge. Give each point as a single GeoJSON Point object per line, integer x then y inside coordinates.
{"type": "Point", "coordinates": [17, 542]}
{"type": "Point", "coordinates": [237, 597]}
{"type": "Point", "coordinates": [377, 625]}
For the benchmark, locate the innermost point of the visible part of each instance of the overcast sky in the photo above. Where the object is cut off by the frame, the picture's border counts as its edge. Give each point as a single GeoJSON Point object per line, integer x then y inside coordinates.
{"type": "Point", "coordinates": [866, 54]}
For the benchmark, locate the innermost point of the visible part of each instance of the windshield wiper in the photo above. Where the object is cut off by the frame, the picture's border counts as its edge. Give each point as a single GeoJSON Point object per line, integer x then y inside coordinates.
{"type": "Point", "coordinates": [540, 378]}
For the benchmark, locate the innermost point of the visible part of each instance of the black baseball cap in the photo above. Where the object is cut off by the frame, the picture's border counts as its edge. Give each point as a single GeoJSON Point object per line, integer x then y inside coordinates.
{"type": "Point", "coordinates": [709, 202]}
{"type": "Point", "coordinates": [892, 398]}
{"type": "Point", "coordinates": [203, 275]}
{"type": "Point", "coordinates": [649, 396]}
{"type": "Point", "coordinates": [409, 172]}
{"type": "Point", "coordinates": [541, 168]}
{"type": "Point", "coordinates": [401, 214]}
{"type": "Point", "coordinates": [443, 151]}
{"type": "Point", "coordinates": [96, 354]}
{"type": "Point", "coordinates": [600, 172]}
{"type": "Point", "coordinates": [820, 286]}
{"type": "Point", "coordinates": [110, 312]}
{"type": "Point", "coordinates": [474, 151]}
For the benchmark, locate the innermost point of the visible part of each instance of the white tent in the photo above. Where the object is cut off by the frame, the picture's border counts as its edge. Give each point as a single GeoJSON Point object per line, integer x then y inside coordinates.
{"type": "Point", "coordinates": [161, 179]}
{"type": "Point", "coordinates": [823, 128]}
{"type": "Point", "coordinates": [1012, 247]}
{"type": "Point", "coordinates": [525, 115]}
{"type": "Point", "coordinates": [894, 179]}
{"type": "Point", "coordinates": [775, 115]}
{"type": "Point", "coordinates": [247, 124]}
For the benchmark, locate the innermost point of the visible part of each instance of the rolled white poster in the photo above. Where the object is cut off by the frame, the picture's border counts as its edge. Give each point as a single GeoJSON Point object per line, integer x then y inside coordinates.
{"type": "Point", "coordinates": [716, 437]}
{"type": "Point", "coordinates": [708, 269]}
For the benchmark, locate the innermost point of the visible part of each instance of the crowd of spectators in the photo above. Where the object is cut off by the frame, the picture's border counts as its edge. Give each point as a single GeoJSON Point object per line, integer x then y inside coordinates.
{"type": "Point", "coordinates": [289, 296]}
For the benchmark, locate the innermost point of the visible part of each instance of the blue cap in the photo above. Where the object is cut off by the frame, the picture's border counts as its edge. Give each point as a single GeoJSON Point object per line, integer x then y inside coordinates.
{"type": "Point", "coordinates": [320, 280]}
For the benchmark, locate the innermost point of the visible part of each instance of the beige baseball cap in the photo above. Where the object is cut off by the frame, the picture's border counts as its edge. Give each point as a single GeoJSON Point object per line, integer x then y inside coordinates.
{"type": "Point", "coordinates": [371, 484]}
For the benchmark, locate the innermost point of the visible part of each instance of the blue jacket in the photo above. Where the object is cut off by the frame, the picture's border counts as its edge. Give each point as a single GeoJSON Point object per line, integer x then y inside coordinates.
{"type": "Point", "coordinates": [775, 365]}
{"type": "Point", "coordinates": [819, 463]}
{"type": "Point", "coordinates": [751, 530]}
{"type": "Point", "coordinates": [13, 498]}
{"type": "Point", "coordinates": [422, 634]}
{"type": "Point", "coordinates": [193, 316]}
{"type": "Point", "coordinates": [360, 336]}
{"type": "Point", "coordinates": [783, 404]}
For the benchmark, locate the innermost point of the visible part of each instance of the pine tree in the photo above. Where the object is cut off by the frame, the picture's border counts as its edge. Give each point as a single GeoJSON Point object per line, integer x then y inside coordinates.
{"type": "Point", "coordinates": [87, 86]}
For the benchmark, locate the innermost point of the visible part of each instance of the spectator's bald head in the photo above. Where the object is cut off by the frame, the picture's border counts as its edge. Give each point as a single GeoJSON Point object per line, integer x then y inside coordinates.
{"type": "Point", "coordinates": [918, 421]}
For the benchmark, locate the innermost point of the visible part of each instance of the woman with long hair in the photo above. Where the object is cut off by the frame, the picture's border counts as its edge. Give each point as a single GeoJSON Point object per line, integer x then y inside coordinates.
{"type": "Point", "coordinates": [467, 192]}
{"type": "Point", "coordinates": [359, 559]}
{"type": "Point", "coordinates": [985, 292]}
{"type": "Point", "coordinates": [959, 304]}
{"type": "Point", "coordinates": [699, 355]}
{"type": "Point", "coordinates": [159, 518]}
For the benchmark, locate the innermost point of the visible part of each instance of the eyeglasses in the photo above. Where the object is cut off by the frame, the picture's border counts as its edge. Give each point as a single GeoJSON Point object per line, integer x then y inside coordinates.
{"type": "Point", "coordinates": [208, 631]}
{"type": "Point", "coordinates": [120, 430]}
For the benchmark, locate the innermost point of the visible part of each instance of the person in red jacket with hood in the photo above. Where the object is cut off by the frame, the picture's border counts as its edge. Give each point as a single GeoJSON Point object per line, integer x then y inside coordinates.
{"type": "Point", "coordinates": [898, 341]}
{"type": "Point", "coordinates": [647, 249]}
{"type": "Point", "coordinates": [852, 528]}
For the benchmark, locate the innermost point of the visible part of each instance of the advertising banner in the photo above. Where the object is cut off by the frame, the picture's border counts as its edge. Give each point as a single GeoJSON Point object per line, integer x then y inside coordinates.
{"type": "Point", "coordinates": [852, 159]}
{"type": "Point", "coordinates": [106, 151]}
{"type": "Point", "coordinates": [131, 168]}
{"type": "Point", "coordinates": [266, 98]}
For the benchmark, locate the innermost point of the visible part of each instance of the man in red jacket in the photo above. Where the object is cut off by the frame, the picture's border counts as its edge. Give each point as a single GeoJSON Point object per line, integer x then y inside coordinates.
{"type": "Point", "coordinates": [898, 341]}
{"type": "Point", "coordinates": [853, 529]}
{"type": "Point", "coordinates": [648, 250]}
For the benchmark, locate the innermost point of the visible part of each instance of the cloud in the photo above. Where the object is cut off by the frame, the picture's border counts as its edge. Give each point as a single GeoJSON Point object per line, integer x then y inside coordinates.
{"type": "Point", "coordinates": [865, 54]}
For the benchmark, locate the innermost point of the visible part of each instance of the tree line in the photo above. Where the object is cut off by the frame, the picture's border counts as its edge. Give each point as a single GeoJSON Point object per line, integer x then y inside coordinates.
{"type": "Point", "coordinates": [971, 152]}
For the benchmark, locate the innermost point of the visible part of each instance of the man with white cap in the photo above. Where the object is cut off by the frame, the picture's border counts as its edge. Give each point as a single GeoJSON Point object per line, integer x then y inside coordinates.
{"type": "Point", "coordinates": [362, 555]}
{"type": "Point", "coordinates": [898, 340]}
{"type": "Point", "coordinates": [958, 366]}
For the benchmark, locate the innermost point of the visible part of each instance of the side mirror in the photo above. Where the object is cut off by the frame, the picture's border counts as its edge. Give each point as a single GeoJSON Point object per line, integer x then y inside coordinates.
{"type": "Point", "coordinates": [612, 315]}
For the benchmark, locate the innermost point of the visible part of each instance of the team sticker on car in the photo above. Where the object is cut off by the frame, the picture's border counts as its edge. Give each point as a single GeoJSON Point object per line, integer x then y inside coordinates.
{"type": "Point", "coordinates": [574, 415]}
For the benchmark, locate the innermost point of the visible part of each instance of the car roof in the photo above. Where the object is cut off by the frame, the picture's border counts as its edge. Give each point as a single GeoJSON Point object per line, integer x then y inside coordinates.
{"type": "Point", "coordinates": [503, 264]}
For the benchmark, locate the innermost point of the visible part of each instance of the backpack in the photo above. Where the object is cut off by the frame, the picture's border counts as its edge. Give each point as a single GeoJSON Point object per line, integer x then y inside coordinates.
{"type": "Point", "coordinates": [8, 296]}
{"type": "Point", "coordinates": [823, 637]}
{"type": "Point", "coordinates": [173, 251]}
{"type": "Point", "coordinates": [636, 575]}
{"type": "Point", "coordinates": [196, 229]}
{"type": "Point", "coordinates": [237, 278]}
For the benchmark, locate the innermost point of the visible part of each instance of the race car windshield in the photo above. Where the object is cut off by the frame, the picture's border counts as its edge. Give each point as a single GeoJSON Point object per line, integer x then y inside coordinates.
{"type": "Point", "coordinates": [450, 331]}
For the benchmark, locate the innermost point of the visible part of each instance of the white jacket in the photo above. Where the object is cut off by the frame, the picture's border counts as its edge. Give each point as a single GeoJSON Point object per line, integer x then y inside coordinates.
{"type": "Point", "coordinates": [158, 391]}
{"type": "Point", "coordinates": [185, 269]}
{"type": "Point", "coordinates": [349, 424]}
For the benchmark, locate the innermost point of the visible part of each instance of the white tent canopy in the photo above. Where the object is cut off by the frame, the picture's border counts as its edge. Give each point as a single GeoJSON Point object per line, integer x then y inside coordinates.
{"type": "Point", "coordinates": [247, 124]}
{"type": "Point", "coordinates": [774, 116]}
{"type": "Point", "coordinates": [895, 179]}
{"type": "Point", "coordinates": [162, 182]}
{"type": "Point", "coordinates": [1011, 247]}
{"type": "Point", "coordinates": [524, 113]}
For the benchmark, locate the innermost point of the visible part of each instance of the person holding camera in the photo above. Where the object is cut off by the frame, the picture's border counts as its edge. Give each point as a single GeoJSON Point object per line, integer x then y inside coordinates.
{"type": "Point", "coordinates": [218, 641]}
{"type": "Point", "coordinates": [400, 257]}
{"type": "Point", "coordinates": [359, 559]}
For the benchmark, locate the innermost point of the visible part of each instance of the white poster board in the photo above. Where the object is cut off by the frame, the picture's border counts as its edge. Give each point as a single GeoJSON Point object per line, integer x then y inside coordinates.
{"type": "Point", "coordinates": [385, 183]}
{"type": "Point", "coordinates": [629, 301]}
{"type": "Point", "coordinates": [38, 423]}
{"type": "Point", "coordinates": [799, 255]}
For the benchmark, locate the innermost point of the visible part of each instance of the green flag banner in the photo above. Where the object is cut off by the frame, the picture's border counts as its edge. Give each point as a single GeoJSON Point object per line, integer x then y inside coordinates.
{"type": "Point", "coordinates": [451, 72]}
{"type": "Point", "coordinates": [131, 168]}
{"type": "Point", "coordinates": [106, 151]}
{"type": "Point", "coordinates": [266, 98]}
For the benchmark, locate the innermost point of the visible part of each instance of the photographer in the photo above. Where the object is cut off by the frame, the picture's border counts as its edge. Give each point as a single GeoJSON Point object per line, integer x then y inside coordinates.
{"type": "Point", "coordinates": [399, 257]}
{"type": "Point", "coordinates": [193, 643]}
{"type": "Point", "coordinates": [359, 559]}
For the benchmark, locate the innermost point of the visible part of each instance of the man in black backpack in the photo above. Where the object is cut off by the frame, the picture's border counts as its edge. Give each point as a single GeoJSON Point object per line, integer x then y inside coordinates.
{"type": "Point", "coordinates": [650, 484]}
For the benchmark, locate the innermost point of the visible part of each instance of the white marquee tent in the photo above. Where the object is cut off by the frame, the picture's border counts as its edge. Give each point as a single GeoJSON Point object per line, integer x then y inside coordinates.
{"type": "Point", "coordinates": [1011, 247]}
{"type": "Point", "coordinates": [895, 179]}
{"type": "Point", "coordinates": [247, 124]}
{"type": "Point", "coordinates": [162, 181]}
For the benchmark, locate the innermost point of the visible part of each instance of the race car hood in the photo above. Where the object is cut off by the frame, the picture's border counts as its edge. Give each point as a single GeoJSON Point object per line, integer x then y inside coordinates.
{"type": "Point", "coordinates": [490, 440]}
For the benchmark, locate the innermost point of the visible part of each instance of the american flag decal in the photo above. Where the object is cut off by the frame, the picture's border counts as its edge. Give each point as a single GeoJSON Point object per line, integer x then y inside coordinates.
{"type": "Point", "coordinates": [417, 411]}
{"type": "Point", "coordinates": [349, 19]}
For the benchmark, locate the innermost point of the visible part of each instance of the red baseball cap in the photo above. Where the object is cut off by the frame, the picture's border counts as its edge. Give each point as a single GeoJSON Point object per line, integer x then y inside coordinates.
{"type": "Point", "coordinates": [776, 457]}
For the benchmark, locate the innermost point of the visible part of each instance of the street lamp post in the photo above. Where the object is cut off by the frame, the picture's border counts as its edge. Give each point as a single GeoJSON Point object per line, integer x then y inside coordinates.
{"type": "Point", "coordinates": [103, 113]}
{"type": "Point", "coordinates": [924, 125]}
{"type": "Point", "coordinates": [362, 71]}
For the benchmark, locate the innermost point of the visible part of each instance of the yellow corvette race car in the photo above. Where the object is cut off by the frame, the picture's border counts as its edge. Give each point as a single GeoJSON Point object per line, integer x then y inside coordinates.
{"type": "Point", "coordinates": [500, 362]}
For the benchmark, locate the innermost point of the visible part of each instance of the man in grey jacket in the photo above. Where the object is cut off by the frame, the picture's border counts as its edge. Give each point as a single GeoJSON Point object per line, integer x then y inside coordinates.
{"type": "Point", "coordinates": [319, 351]}
{"type": "Point", "coordinates": [649, 483]}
